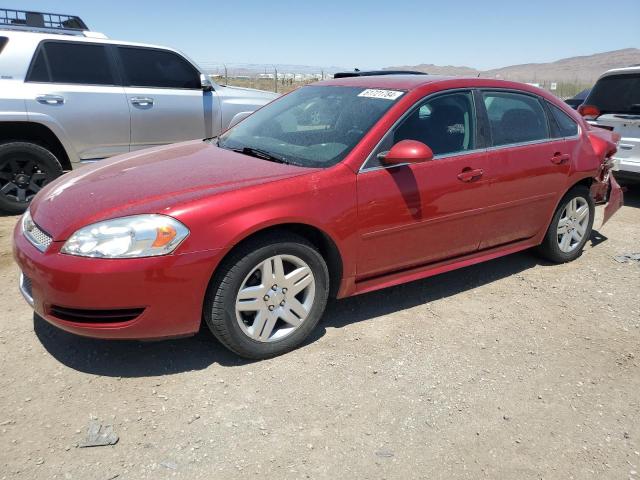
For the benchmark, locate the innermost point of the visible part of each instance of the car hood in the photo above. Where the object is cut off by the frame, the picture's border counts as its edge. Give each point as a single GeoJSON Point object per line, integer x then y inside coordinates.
{"type": "Point", "coordinates": [227, 90]}
{"type": "Point", "coordinates": [156, 180]}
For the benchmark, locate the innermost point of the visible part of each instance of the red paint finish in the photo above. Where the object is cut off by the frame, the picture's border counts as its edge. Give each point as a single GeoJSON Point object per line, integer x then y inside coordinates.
{"type": "Point", "coordinates": [408, 151]}
{"type": "Point", "coordinates": [388, 225]}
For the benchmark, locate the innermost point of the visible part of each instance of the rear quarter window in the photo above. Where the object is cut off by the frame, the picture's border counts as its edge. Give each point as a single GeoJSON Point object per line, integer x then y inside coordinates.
{"type": "Point", "coordinates": [71, 63]}
{"type": "Point", "coordinates": [564, 125]}
{"type": "Point", "coordinates": [3, 42]}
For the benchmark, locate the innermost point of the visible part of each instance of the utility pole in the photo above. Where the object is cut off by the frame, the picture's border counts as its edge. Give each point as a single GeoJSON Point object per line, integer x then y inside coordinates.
{"type": "Point", "coordinates": [275, 83]}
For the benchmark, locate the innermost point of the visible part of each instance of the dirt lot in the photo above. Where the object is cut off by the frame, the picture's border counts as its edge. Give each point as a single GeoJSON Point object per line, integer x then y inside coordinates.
{"type": "Point", "coordinates": [511, 369]}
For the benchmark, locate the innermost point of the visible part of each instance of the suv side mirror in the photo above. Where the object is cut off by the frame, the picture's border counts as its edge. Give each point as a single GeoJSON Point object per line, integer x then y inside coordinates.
{"type": "Point", "coordinates": [406, 151]}
{"type": "Point", "coordinates": [206, 84]}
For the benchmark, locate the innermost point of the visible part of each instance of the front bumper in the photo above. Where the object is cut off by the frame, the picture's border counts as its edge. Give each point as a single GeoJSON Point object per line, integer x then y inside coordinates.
{"type": "Point", "coordinates": [626, 166]}
{"type": "Point", "coordinates": [167, 292]}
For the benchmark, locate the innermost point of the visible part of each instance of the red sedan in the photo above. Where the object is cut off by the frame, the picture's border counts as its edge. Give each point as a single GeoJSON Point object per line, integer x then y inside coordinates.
{"type": "Point", "coordinates": [336, 189]}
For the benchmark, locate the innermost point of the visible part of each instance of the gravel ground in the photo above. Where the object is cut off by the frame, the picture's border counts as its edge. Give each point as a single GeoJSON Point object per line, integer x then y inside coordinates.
{"type": "Point", "coordinates": [510, 369]}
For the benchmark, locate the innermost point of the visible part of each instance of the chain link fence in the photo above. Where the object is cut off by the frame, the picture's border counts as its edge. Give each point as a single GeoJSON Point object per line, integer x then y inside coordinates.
{"type": "Point", "coordinates": [284, 79]}
{"type": "Point", "coordinates": [274, 79]}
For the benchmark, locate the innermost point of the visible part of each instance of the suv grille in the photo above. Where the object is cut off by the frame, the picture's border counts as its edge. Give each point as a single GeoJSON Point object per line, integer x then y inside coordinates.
{"type": "Point", "coordinates": [95, 316]}
{"type": "Point", "coordinates": [37, 237]}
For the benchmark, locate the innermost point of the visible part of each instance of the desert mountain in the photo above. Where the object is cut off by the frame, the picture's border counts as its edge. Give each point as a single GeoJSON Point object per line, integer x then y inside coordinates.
{"type": "Point", "coordinates": [584, 69]}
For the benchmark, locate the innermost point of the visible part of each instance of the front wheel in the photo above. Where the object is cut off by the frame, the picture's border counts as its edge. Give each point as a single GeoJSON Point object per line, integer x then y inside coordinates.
{"type": "Point", "coordinates": [24, 169]}
{"type": "Point", "coordinates": [267, 296]}
{"type": "Point", "coordinates": [570, 227]}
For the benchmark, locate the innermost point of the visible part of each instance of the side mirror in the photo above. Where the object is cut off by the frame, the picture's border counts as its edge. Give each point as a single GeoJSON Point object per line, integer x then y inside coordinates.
{"type": "Point", "coordinates": [238, 117]}
{"type": "Point", "coordinates": [406, 151]}
{"type": "Point", "coordinates": [205, 83]}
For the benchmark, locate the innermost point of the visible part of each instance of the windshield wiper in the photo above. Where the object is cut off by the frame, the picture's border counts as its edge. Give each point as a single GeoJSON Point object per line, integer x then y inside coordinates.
{"type": "Point", "coordinates": [256, 152]}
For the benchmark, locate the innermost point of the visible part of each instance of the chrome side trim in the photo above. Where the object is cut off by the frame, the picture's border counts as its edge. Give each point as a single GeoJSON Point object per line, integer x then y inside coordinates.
{"type": "Point", "coordinates": [23, 290]}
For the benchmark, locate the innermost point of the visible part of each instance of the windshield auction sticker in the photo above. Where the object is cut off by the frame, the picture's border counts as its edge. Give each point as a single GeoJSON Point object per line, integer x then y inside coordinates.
{"type": "Point", "coordinates": [384, 94]}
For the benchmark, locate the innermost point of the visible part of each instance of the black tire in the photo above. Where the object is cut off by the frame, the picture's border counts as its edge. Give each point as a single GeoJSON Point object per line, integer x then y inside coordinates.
{"type": "Point", "coordinates": [219, 307]}
{"type": "Point", "coordinates": [24, 169]}
{"type": "Point", "coordinates": [549, 248]}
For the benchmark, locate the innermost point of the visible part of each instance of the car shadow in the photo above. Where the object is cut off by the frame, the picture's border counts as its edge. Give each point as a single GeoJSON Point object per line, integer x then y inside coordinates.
{"type": "Point", "coordinates": [123, 358]}
{"type": "Point", "coordinates": [632, 195]}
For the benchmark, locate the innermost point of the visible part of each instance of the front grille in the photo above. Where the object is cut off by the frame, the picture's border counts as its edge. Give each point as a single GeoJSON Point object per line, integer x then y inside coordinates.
{"type": "Point", "coordinates": [95, 316]}
{"type": "Point", "coordinates": [37, 237]}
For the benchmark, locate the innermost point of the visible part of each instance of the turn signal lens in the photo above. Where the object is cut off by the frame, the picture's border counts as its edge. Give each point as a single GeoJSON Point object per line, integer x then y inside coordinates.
{"type": "Point", "coordinates": [164, 235]}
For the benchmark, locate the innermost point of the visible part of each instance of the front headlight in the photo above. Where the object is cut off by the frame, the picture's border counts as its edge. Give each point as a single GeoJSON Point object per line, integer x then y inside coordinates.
{"type": "Point", "coordinates": [127, 237]}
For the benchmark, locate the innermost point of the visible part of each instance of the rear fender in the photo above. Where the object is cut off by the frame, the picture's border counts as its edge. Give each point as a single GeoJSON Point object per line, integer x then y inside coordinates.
{"type": "Point", "coordinates": [604, 188]}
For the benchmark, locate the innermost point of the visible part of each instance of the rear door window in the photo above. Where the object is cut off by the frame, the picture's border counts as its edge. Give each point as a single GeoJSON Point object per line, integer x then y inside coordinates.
{"type": "Point", "coordinates": [616, 94]}
{"type": "Point", "coordinates": [146, 67]}
{"type": "Point", "coordinates": [564, 125]}
{"type": "Point", "coordinates": [72, 63]}
{"type": "Point", "coordinates": [3, 42]}
{"type": "Point", "coordinates": [515, 118]}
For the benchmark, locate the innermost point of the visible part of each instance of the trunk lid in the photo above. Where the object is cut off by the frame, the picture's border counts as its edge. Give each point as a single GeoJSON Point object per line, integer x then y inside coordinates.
{"type": "Point", "coordinates": [628, 127]}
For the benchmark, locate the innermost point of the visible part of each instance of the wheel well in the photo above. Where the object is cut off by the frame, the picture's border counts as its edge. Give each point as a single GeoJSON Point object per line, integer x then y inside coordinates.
{"type": "Point", "coordinates": [319, 239]}
{"type": "Point", "coordinates": [35, 133]}
{"type": "Point", "coordinates": [585, 181]}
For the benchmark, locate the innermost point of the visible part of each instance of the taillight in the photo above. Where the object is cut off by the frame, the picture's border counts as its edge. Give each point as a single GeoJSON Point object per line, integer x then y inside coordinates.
{"type": "Point", "coordinates": [589, 111]}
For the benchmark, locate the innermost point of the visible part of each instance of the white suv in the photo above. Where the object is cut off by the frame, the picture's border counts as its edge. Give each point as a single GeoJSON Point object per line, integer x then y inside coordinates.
{"type": "Point", "coordinates": [69, 96]}
{"type": "Point", "coordinates": [614, 104]}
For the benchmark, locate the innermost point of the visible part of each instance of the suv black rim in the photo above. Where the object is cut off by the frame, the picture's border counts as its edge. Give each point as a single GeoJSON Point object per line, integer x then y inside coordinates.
{"type": "Point", "coordinates": [21, 178]}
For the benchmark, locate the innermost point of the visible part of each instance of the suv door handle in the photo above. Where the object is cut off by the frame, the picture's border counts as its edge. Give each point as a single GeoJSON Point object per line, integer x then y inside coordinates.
{"type": "Point", "coordinates": [560, 158]}
{"type": "Point", "coordinates": [142, 101]}
{"type": "Point", "coordinates": [469, 174]}
{"type": "Point", "coordinates": [50, 99]}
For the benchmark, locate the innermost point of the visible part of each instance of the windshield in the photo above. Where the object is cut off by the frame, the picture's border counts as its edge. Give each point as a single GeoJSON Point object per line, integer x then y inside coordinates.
{"type": "Point", "coordinates": [312, 126]}
{"type": "Point", "coordinates": [616, 94]}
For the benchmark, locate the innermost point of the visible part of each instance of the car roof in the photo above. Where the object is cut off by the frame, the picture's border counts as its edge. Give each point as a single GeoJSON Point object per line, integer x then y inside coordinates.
{"type": "Point", "coordinates": [397, 82]}
{"type": "Point", "coordinates": [414, 82]}
{"type": "Point", "coordinates": [621, 71]}
{"type": "Point", "coordinates": [39, 36]}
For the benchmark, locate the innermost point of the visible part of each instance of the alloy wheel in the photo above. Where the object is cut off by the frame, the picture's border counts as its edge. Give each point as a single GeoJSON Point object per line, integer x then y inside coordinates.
{"type": "Point", "coordinates": [21, 178]}
{"type": "Point", "coordinates": [573, 224]}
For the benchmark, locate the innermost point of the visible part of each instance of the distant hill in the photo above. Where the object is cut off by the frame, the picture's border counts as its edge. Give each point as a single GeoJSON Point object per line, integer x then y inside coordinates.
{"type": "Point", "coordinates": [585, 69]}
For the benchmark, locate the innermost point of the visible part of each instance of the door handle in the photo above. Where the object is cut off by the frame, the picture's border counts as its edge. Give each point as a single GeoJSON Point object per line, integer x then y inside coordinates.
{"type": "Point", "coordinates": [142, 101]}
{"type": "Point", "coordinates": [560, 158]}
{"type": "Point", "coordinates": [468, 174]}
{"type": "Point", "coordinates": [50, 99]}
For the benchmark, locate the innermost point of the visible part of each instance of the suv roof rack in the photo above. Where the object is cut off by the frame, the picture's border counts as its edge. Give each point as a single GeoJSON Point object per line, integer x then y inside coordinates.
{"type": "Point", "coordinates": [44, 22]}
{"type": "Point", "coordinates": [371, 73]}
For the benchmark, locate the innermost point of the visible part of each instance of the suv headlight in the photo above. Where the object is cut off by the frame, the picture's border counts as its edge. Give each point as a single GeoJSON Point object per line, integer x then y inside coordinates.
{"type": "Point", "coordinates": [127, 237]}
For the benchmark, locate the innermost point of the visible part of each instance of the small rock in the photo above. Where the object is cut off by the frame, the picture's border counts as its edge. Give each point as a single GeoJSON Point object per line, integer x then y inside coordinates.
{"type": "Point", "coordinates": [384, 453]}
{"type": "Point", "coordinates": [99, 435]}
{"type": "Point", "coordinates": [170, 465]}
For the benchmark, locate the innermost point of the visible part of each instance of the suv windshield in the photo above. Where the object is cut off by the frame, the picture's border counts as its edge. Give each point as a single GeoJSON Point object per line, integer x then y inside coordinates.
{"type": "Point", "coordinates": [617, 94]}
{"type": "Point", "coordinates": [312, 126]}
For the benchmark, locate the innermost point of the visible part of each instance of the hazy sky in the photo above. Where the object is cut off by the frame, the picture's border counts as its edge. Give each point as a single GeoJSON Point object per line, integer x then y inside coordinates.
{"type": "Point", "coordinates": [482, 34]}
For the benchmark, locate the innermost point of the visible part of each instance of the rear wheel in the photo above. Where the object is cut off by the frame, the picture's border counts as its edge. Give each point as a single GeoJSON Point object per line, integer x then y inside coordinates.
{"type": "Point", "coordinates": [24, 169]}
{"type": "Point", "coordinates": [267, 296]}
{"type": "Point", "coordinates": [570, 227]}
